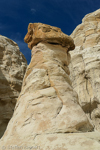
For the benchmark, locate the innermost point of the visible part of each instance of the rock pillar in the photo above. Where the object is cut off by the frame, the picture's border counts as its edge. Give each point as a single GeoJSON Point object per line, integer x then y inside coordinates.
{"type": "Point", "coordinates": [47, 103]}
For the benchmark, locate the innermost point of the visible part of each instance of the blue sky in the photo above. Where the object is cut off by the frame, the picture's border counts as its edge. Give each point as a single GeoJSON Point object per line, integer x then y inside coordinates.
{"type": "Point", "coordinates": [15, 15]}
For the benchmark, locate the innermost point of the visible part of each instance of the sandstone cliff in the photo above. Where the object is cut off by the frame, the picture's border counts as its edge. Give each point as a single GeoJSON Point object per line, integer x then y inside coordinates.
{"type": "Point", "coordinates": [85, 66]}
{"type": "Point", "coordinates": [12, 69]}
{"type": "Point", "coordinates": [47, 114]}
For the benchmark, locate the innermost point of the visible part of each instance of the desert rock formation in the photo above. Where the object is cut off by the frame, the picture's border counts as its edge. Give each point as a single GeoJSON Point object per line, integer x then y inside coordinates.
{"type": "Point", "coordinates": [85, 66]}
{"type": "Point", "coordinates": [47, 115]}
{"type": "Point", "coordinates": [12, 69]}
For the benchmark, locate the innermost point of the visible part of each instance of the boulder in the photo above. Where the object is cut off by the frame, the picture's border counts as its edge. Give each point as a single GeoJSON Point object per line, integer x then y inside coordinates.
{"type": "Point", "coordinates": [39, 32]}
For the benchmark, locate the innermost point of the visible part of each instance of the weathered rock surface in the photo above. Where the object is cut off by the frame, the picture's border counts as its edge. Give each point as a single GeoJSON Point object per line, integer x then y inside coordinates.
{"type": "Point", "coordinates": [69, 141]}
{"type": "Point", "coordinates": [38, 32]}
{"type": "Point", "coordinates": [85, 66]}
{"type": "Point", "coordinates": [12, 69]}
{"type": "Point", "coordinates": [47, 110]}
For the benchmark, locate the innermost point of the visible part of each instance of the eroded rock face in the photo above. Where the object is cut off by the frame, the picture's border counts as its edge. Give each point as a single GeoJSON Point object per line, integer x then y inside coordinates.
{"type": "Point", "coordinates": [68, 141]}
{"type": "Point", "coordinates": [39, 32]}
{"type": "Point", "coordinates": [85, 66]}
{"type": "Point", "coordinates": [12, 69]}
{"type": "Point", "coordinates": [47, 108]}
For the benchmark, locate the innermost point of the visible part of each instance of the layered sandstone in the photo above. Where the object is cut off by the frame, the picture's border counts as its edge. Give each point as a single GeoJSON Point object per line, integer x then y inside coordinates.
{"type": "Point", "coordinates": [12, 69]}
{"type": "Point", "coordinates": [47, 114]}
{"type": "Point", "coordinates": [85, 66]}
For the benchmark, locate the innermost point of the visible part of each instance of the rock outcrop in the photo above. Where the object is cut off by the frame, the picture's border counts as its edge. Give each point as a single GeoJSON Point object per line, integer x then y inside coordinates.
{"type": "Point", "coordinates": [12, 69]}
{"type": "Point", "coordinates": [85, 66]}
{"type": "Point", "coordinates": [47, 115]}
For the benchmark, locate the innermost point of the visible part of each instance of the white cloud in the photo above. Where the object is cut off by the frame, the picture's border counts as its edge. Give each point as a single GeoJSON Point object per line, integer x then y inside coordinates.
{"type": "Point", "coordinates": [33, 10]}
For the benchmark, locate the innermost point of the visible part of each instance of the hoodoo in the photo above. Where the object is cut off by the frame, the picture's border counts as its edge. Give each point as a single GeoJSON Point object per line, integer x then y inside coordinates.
{"type": "Point", "coordinates": [47, 114]}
